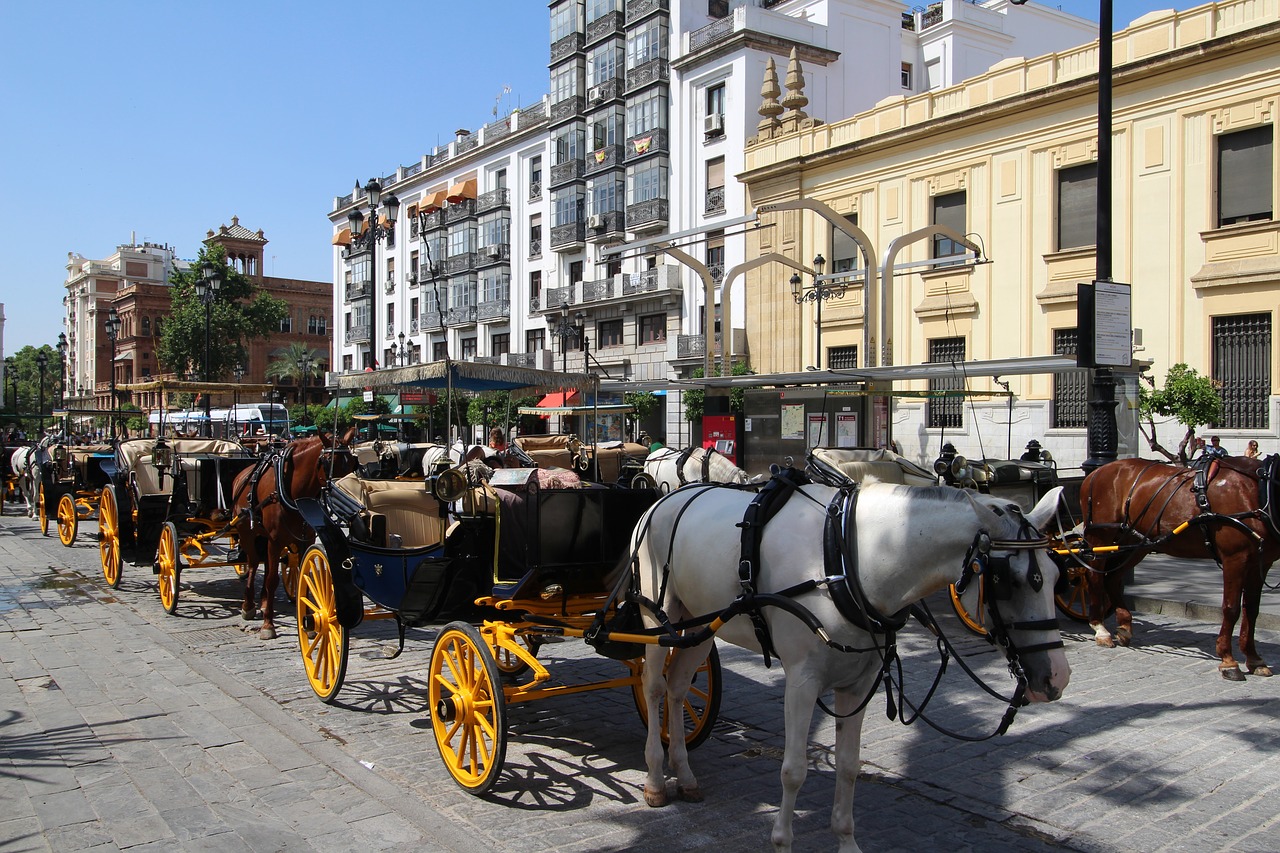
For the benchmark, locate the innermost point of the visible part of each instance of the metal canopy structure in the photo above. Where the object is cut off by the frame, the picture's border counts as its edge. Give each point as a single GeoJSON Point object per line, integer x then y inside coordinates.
{"type": "Point", "coordinates": [472, 376]}
{"type": "Point", "coordinates": [183, 386]}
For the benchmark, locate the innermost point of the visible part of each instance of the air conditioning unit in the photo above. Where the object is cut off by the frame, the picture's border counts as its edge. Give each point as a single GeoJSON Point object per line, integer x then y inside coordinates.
{"type": "Point", "coordinates": [595, 94]}
{"type": "Point", "coordinates": [713, 124]}
{"type": "Point", "coordinates": [596, 221]}
{"type": "Point", "coordinates": [494, 252]}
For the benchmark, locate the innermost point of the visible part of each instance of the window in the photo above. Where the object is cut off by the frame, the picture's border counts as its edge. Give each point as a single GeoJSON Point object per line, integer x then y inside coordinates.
{"type": "Point", "coordinates": [391, 316]}
{"type": "Point", "coordinates": [570, 143]}
{"type": "Point", "coordinates": [943, 412]}
{"type": "Point", "coordinates": [535, 177]}
{"type": "Point", "coordinates": [647, 43]}
{"type": "Point", "coordinates": [605, 62]}
{"type": "Point", "coordinates": [1245, 179]}
{"type": "Point", "coordinates": [597, 9]}
{"type": "Point", "coordinates": [146, 327]}
{"type": "Point", "coordinates": [906, 76]}
{"type": "Point", "coordinates": [468, 349]}
{"type": "Point", "coordinates": [613, 266]}
{"type": "Point", "coordinates": [653, 329]}
{"type": "Point", "coordinates": [566, 19]}
{"type": "Point", "coordinates": [566, 205]}
{"type": "Point", "coordinates": [462, 238]}
{"type": "Point", "coordinates": [575, 273]}
{"type": "Point", "coordinates": [535, 340]}
{"type": "Point", "coordinates": [413, 265]}
{"type": "Point", "coordinates": [842, 358]}
{"type": "Point", "coordinates": [566, 82]}
{"type": "Point", "coordinates": [495, 228]}
{"type": "Point", "coordinates": [535, 284]}
{"type": "Point", "coordinates": [715, 185]}
{"type": "Point", "coordinates": [159, 324]}
{"type": "Point", "coordinates": [286, 323]}
{"type": "Point", "coordinates": [414, 308]}
{"type": "Point", "coordinates": [500, 179]}
{"type": "Point", "coordinates": [647, 111]}
{"type": "Point", "coordinates": [715, 100]}
{"type": "Point", "coordinates": [607, 128]}
{"type": "Point", "coordinates": [844, 249]}
{"type": "Point", "coordinates": [495, 284]}
{"type": "Point", "coordinates": [1078, 206]}
{"type": "Point", "coordinates": [321, 325]}
{"type": "Point", "coordinates": [535, 235]}
{"type": "Point", "coordinates": [311, 325]}
{"type": "Point", "coordinates": [500, 344]}
{"type": "Point", "coordinates": [717, 8]}
{"type": "Point", "coordinates": [1242, 369]}
{"type": "Point", "coordinates": [608, 334]}
{"type": "Point", "coordinates": [462, 291]}
{"type": "Point", "coordinates": [391, 269]}
{"type": "Point", "coordinates": [362, 270]}
{"type": "Point", "coordinates": [1070, 387]}
{"type": "Point", "coordinates": [949, 210]}
{"type": "Point", "coordinates": [647, 181]}
{"type": "Point", "coordinates": [347, 363]}
{"type": "Point", "coordinates": [607, 194]}
{"type": "Point", "coordinates": [439, 351]}
{"type": "Point", "coordinates": [715, 255]}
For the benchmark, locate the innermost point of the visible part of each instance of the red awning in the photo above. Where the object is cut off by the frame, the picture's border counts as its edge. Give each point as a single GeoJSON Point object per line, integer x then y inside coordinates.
{"type": "Point", "coordinates": [558, 400]}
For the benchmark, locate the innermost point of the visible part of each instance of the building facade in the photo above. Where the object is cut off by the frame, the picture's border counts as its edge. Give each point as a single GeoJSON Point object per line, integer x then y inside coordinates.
{"type": "Point", "coordinates": [1010, 155]}
{"type": "Point", "coordinates": [633, 155]}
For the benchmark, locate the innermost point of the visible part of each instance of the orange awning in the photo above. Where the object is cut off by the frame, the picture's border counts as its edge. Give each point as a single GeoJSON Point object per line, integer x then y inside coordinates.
{"type": "Point", "coordinates": [342, 238]}
{"type": "Point", "coordinates": [462, 190]}
{"type": "Point", "coordinates": [558, 400]}
{"type": "Point", "coordinates": [433, 202]}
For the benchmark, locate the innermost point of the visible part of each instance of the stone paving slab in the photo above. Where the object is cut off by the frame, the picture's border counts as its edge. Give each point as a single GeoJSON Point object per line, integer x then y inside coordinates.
{"type": "Point", "coordinates": [213, 740]}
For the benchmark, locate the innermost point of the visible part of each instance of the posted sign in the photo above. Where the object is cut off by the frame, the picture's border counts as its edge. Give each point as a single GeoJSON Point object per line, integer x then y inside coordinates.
{"type": "Point", "coordinates": [1105, 323]}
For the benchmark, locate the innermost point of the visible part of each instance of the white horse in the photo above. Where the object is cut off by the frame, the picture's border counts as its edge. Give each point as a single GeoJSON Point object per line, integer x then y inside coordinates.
{"type": "Point", "coordinates": [23, 464]}
{"type": "Point", "coordinates": [669, 469]}
{"type": "Point", "coordinates": [910, 542]}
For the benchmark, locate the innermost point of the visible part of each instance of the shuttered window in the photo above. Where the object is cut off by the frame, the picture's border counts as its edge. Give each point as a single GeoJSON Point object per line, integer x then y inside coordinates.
{"type": "Point", "coordinates": [842, 358]}
{"type": "Point", "coordinates": [1078, 206]}
{"type": "Point", "coordinates": [946, 412]}
{"type": "Point", "coordinates": [1242, 369]}
{"type": "Point", "coordinates": [1245, 176]}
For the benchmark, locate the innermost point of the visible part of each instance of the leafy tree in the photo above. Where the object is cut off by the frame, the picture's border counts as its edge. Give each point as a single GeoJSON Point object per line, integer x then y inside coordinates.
{"type": "Point", "coordinates": [132, 419]}
{"type": "Point", "coordinates": [240, 312]}
{"type": "Point", "coordinates": [502, 409]}
{"type": "Point", "coordinates": [290, 365]}
{"type": "Point", "coordinates": [1188, 397]}
{"type": "Point", "coordinates": [644, 402]}
{"type": "Point", "coordinates": [694, 401]}
{"type": "Point", "coordinates": [22, 370]}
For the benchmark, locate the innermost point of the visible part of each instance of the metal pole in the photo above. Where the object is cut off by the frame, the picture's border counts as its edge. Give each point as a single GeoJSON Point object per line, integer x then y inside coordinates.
{"type": "Point", "coordinates": [1103, 437]}
{"type": "Point", "coordinates": [40, 363]}
{"type": "Point", "coordinates": [208, 306]}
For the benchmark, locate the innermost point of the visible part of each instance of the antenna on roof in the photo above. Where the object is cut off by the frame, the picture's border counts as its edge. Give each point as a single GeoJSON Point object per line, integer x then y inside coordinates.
{"type": "Point", "coordinates": [506, 90]}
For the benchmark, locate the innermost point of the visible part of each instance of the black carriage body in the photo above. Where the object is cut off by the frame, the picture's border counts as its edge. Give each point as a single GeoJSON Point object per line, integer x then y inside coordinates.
{"type": "Point", "coordinates": [1025, 483]}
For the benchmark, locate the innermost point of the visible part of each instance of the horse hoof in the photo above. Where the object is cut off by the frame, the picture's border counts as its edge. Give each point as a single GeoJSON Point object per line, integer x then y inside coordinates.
{"type": "Point", "coordinates": [655, 799]}
{"type": "Point", "coordinates": [1261, 670]}
{"type": "Point", "coordinates": [1232, 673]}
{"type": "Point", "coordinates": [1124, 637]}
{"type": "Point", "coordinates": [248, 615]}
{"type": "Point", "coordinates": [1106, 642]}
{"type": "Point", "coordinates": [689, 795]}
{"type": "Point", "coordinates": [267, 634]}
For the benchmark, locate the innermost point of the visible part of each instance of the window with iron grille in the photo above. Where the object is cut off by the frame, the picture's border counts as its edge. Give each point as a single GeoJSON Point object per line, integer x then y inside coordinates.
{"type": "Point", "coordinates": [1070, 387]}
{"type": "Point", "coordinates": [1245, 175]}
{"type": "Point", "coordinates": [842, 358]}
{"type": "Point", "coordinates": [946, 412]}
{"type": "Point", "coordinates": [1242, 369]}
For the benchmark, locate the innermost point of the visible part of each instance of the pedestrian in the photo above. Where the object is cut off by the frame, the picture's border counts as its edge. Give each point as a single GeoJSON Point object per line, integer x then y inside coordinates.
{"type": "Point", "coordinates": [1215, 450]}
{"type": "Point", "coordinates": [497, 440]}
{"type": "Point", "coordinates": [1251, 452]}
{"type": "Point", "coordinates": [1032, 453]}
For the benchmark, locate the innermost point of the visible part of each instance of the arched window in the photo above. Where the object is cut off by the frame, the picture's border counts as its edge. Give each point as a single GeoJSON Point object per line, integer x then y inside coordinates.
{"type": "Point", "coordinates": [146, 327]}
{"type": "Point", "coordinates": [321, 326]}
{"type": "Point", "coordinates": [159, 320]}
{"type": "Point", "coordinates": [311, 325]}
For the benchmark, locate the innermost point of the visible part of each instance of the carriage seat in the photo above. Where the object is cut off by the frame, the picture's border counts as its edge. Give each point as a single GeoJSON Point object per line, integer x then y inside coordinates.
{"type": "Point", "coordinates": [858, 463]}
{"type": "Point", "coordinates": [547, 451]}
{"type": "Point", "coordinates": [397, 508]}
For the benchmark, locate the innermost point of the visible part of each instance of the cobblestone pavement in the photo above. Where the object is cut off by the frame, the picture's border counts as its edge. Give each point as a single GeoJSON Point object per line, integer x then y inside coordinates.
{"type": "Point", "coordinates": [123, 727]}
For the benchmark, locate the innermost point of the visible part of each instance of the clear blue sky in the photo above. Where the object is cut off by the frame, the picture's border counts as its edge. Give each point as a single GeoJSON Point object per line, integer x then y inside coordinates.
{"type": "Point", "coordinates": [166, 118]}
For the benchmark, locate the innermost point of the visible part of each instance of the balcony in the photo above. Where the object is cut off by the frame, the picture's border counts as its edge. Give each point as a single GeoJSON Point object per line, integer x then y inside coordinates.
{"type": "Point", "coordinates": [715, 201]}
{"type": "Point", "coordinates": [540, 359]}
{"type": "Point", "coordinates": [567, 109]}
{"type": "Point", "coordinates": [535, 247]}
{"type": "Point", "coordinates": [611, 224]}
{"type": "Point", "coordinates": [431, 320]}
{"type": "Point", "coordinates": [497, 253]}
{"type": "Point", "coordinates": [493, 200]}
{"type": "Point", "coordinates": [639, 9]}
{"type": "Point", "coordinates": [690, 346]}
{"type": "Point", "coordinates": [604, 26]}
{"type": "Point", "coordinates": [664, 278]}
{"type": "Point", "coordinates": [710, 34]}
{"type": "Point", "coordinates": [391, 329]}
{"type": "Point", "coordinates": [558, 297]}
{"type": "Point", "coordinates": [464, 315]}
{"type": "Point", "coordinates": [567, 172]}
{"type": "Point", "coordinates": [464, 209]}
{"type": "Point", "coordinates": [605, 91]}
{"type": "Point", "coordinates": [415, 325]}
{"type": "Point", "coordinates": [566, 47]}
{"type": "Point", "coordinates": [432, 221]}
{"type": "Point", "coordinates": [359, 334]}
{"type": "Point", "coordinates": [567, 238]}
{"type": "Point", "coordinates": [653, 71]}
{"type": "Point", "coordinates": [412, 280]}
{"type": "Point", "coordinates": [535, 190]}
{"type": "Point", "coordinates": [389, 286]}
{"type": "Point", "coordinates": [496, 309]}
{"type": "Point", "coordinates": [359, 291]}
{"type": "Point", "coordinates": [608, 157]}
{"type": "Point", "coordinates": [647, 214]}
{"type": "Point", "coordinates": [460, 263]}
{"type": "Point", "coordinates": [601, 289]}
{"type": "Point", "coordinates": [644, 144]}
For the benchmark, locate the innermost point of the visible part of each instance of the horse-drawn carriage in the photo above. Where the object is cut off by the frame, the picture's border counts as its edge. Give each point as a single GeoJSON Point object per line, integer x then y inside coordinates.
{"type": "Point", "coordinates": [168, 505]}
{"type": "Point", "coordinates": [71, 479]}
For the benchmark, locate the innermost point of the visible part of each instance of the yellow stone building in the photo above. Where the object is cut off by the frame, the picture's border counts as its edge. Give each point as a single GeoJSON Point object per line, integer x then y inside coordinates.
{"type": "Point", "coordinates": [1009, 158]}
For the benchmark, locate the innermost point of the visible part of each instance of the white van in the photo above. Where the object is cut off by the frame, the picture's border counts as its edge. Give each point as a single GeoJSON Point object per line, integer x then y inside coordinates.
{"type": "Point", "coordinates": [245, 420]}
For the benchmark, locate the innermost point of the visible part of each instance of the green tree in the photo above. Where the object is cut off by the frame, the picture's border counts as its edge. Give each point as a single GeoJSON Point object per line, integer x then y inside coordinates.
{"type": "Point", "coordinates": [132, 418]}
{"type": "Point", "coordinates": [22, 371]}
{"type": "Point", "coordinates": [293, 364]}
{"type": "Point", "coordinates": [644, 402]}
{"type": "Point", "coordinates": [1187, 396]}
{"type": "Point", "coordinates": [239, 313]}
{"type": "Point", "coordinates": [501, 406]}
{"type": "Point", "coordinates": [695, 401]}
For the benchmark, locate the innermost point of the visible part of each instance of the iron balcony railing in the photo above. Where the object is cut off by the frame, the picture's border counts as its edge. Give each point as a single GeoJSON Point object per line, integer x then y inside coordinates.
{"type": "Point", "coordinates": [359, 291]}
{"type": "Point", "coordinates": [496, 309]}
{"type": "Point", "coordinates": [358, 334]}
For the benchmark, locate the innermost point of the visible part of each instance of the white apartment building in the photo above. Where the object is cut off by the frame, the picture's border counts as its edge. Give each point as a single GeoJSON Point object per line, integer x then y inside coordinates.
{"type": "Point", "coordinates": [651, 104]}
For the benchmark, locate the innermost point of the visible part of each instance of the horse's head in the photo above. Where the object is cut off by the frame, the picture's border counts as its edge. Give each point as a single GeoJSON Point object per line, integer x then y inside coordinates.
{"type": "Point", "coordinates": [1009, 557]}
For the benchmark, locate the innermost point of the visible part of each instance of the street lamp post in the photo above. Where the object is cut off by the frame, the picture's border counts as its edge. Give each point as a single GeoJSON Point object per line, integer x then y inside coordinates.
{"type": "Point", "coordinates": [366, 240]}
{"type": "Point", "coordinates": [113, 333]}
{"type": "Point", "coordinates": [565, 330]}
{"type": "Point", "coordinates": [62, 369]}
{"type": "Point", "coordinates": [235, 398]}
{"type": "Point", "coordinates": [11, 374]}
{"type": "Point", "coordinates": [42, 361]}
{"type": "Point", "coordinates": [819, 292]}
{"type": "Point", "coordinates": [304, 366]}
{"type": "Point", "coordinates": [207, 287]}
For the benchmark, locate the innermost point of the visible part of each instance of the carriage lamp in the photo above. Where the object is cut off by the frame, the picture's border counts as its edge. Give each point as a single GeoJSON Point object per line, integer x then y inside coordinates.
{"type": "Point", "coordinates": [960, 468]}
{"type": "Point", "coordinates": [59, 453]}
{"type": "Point", "coordinates": [449, 485]}
{"type": "Point", "coordinates": [161, 455]}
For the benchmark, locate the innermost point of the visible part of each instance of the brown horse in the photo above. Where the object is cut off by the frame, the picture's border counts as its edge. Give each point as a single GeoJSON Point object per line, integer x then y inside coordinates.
{"type": "Point", "coordinates": [1144, 506]}
{"type": "Point", "coordinates": [265, 504]}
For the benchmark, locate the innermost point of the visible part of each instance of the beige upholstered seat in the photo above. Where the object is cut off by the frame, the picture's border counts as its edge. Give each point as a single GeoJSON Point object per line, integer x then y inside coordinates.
{"type": "Point", "coordinates": [885, 465]}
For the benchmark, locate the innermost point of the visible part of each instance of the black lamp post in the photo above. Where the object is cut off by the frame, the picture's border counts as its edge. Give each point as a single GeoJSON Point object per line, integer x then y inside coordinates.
{"type": "Point", "coordinates": [113, 334]}
{"type": "Point", "coordinates": [235, 397]}
{"type": "Point", "coordinates": [42, 361]}
{"type": "Point", "coordinates": [11, 374]}
{"type": "Point", "coordinates": [565, 330]}
{"type": "Point", "coordinates": [62, 369]}
{"type": "Point", "coordinates": [366, 240]}
{"type": "Point", "coordinates": [819, 292]}
{"type": "Point", "coordinates": [304, 367]}
{"type": "Point", "coordinates": [207, 287]}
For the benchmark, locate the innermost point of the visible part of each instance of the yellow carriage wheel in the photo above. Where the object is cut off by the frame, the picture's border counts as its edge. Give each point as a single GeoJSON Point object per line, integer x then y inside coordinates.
{"type": "Point", "coordinates": [1070, 594]}
{"type": "Point", "coordinates": [701, 703]}
{"type": "Point", "coordinates": [109, 536]}
{"type": "Point", "coordinates": [321, 638]}
{"type": "Point", "coordinates": [468, 708]}
{"type": "Point", "coordinates": [68, 520]}
{"type": "Point", "coordinates": [170, 570]}
{"type": "Point", "coordinates": [42, 511]}
{"type": "Point", "coordinates": [969, 606]}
